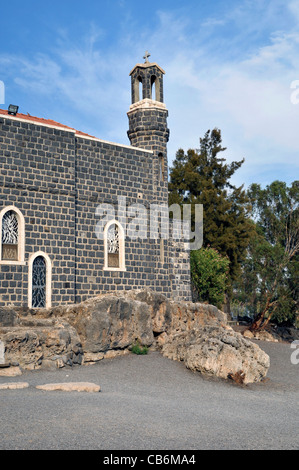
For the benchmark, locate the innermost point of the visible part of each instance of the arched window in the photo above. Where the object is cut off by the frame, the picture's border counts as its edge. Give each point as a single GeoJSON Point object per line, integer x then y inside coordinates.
{"type": "Point", "coordinates": [39, 280]}
{"type": "Point", "coordinates": [12, 229]}
{"type": "Point", "coordinates": [153, 88]}
{"type": "Point", "coordinates": [138, 89]}
{"type": "Point", "coordinates": [114, 247]}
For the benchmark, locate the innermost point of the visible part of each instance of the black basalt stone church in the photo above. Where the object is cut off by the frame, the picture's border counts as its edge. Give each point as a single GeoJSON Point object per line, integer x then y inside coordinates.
{"type": "Point", "coordinates": [53, 178]}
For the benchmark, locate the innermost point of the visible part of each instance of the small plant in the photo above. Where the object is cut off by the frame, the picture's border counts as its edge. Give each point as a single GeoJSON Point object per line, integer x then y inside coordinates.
{"type": "Point", "coordinates": [138, 349]}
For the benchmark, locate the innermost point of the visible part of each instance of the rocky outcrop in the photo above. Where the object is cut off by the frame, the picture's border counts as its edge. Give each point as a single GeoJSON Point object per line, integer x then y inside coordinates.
{"type": "Point", "coordinates": [108, 322]}
{"type": "Point", "coordinates": [36, 343]}
{"type": "Point", "coordinates": [108, 325]}
{"type": "Point", "coordinates": [198, 334]}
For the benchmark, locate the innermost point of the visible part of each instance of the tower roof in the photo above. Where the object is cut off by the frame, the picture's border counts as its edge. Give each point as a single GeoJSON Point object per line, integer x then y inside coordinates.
{"type": "Point", "coordinates": [147, 65]}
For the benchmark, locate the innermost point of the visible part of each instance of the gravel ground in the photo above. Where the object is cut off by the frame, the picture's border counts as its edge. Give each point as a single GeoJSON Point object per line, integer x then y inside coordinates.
{"type": "Point", "coordinates": [150, 402]}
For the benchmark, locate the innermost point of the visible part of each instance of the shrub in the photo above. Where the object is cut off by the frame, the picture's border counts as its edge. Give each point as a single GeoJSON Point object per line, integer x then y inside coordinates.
{"type": "Point", "coordinates": [138, 349]}
{"type": "Point", "coordinates": [209, 272]}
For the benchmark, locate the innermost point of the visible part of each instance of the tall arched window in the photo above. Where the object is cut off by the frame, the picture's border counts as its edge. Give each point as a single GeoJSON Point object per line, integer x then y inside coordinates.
{"type": "Point", "coordinates": [114, 247]}
{"type": "Point", "coordinates": [39, 280]}
{"type": "Point", "coordinates": [12, 230]}
{"type": "Point", "coordinates": [155, 89]}
{"type": "Point", "coordinates": [138, 89]}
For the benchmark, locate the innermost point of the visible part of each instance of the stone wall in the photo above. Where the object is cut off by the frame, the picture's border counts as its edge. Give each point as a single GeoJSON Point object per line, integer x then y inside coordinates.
{"type": "Point", "coordinates": [105, 173]}
{"type": "Point", "coordinates": [37, 165]}
{"type": "Point", "coordinates": [57, 179]}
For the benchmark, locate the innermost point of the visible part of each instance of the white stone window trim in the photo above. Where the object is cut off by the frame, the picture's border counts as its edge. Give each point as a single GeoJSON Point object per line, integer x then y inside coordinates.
{"type": "Point", "coordinates": [48, 278]}
{"type": "Point", "coordinates": [122, 262]}
{"type": "Point", "coordinates": [21, 236]}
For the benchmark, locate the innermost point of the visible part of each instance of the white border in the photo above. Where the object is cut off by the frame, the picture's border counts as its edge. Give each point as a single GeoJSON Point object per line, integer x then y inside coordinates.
{"type": "Point", "coordinates": [21, 236]}
{"type": "Point", "coordinates": [122, 261]}
{"type": "Point", "coordinates": [48, 278]}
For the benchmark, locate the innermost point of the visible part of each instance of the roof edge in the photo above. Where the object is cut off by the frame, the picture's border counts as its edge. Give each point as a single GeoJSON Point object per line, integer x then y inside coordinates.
{"type": "Point", "coordinates": [61, 127]}
{"type": "Point", "coordinates": [37, 121]}
{"type": "Point", "coordinates": [146, 65]}
{"type": "Point", "coordinates": [96, 139]}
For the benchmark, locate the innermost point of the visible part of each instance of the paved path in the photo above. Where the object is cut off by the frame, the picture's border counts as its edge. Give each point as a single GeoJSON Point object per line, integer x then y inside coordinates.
{"type": "Point", "coordinates": [153, 403]}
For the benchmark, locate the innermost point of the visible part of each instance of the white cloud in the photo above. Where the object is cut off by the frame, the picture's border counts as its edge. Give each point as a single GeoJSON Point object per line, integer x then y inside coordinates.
{"type": "Point", "coordinates": [249, 99]}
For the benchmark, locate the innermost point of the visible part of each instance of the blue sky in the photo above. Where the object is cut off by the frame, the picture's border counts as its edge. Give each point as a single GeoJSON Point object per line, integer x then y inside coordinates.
{"type": "Point", "coordinates": [229, 64]}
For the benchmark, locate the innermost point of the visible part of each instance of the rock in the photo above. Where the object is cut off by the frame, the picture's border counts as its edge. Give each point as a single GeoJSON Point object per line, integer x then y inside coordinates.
{"type": "Point", "coordinates": [287, 333]}
{"type": "Point", "coordinates": [161, 339]}
{"type": "Point", "coordinates": [71, 387]}
{"type": "Point", "coordinates": [187, 315]}
{"type": "Point", "coordinates": [35, 343]}
{"type": "Point", "coordinates": [59, 363]}
{"type": "Point", "coordinates": [159, 307]}
{"type": "Point", "coordinates": [14, 385]}
{"type": "Point", "coordinates": [112, 354]}
{"type": "Point", "coordinates": [109, 322]}
{"type": "Point", "coordinates": [10, 372]}
{"type": "Point", "coordinates": [260, 335]}
{"type": "Point", "coordinates": [108, 325]}
{"type": "Point", "coordinates": [248, 334]}
{"type": "Point", "coordinates": [218, 351]}
{"type": "Point", "coordinates": [8, 316]}
{"type": "Point", "coordinates": [2, 356]}
{"type": "Point", "coordinates": [92, 357]}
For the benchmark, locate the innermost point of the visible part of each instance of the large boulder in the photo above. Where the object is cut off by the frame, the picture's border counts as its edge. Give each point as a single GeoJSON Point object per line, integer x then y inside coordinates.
{"type": "Point", "coordinates": [218, 351]}
{"type": "Point", "coordinates": [109, 322]}
{"type": "Point", "coordinates": [170, 316]}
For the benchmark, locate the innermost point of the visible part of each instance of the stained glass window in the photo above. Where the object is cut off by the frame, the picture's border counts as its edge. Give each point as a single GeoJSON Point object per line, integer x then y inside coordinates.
{"type": "Point", "coordinates": [113, 246]}
{"type": "Point", "coordinates": [10, 236]}
{"type": "Point", "coordinates": [39, 276]}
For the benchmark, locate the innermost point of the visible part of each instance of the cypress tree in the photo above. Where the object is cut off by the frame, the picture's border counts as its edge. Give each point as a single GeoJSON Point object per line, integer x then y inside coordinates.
{"type": "Point", "coordinates": [203, 177]}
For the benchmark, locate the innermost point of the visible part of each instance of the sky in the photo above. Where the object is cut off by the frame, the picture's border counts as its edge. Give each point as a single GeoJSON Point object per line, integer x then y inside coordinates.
{"type": "Point", "coordinates": [231, 65]}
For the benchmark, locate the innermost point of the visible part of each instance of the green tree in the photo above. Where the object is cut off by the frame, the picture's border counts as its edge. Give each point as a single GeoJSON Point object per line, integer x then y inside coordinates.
{"type": "Point", "coordinates": [209, 272]}
{"type": "Point", "coordinates": [270, 273]}
{"type": "Point", "coordinates": [203, 177]}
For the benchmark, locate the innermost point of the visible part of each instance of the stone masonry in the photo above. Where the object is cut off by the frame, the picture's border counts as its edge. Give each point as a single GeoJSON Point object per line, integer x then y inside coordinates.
{"type": "Point", "coordinates": [57, 177]}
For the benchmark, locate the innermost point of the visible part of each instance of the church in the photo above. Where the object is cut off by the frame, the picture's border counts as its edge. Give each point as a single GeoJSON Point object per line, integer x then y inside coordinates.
{"type": "Point", "coordinates": [54, 179]}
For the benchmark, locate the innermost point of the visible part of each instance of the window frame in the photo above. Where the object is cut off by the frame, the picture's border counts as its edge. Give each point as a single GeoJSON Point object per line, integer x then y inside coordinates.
{"type": "Point", "coordinates": [48, 279]}
{"type": "Point", "coordinates": [122, 261]}
{"type": "Point", "coordinates": [21, 236]}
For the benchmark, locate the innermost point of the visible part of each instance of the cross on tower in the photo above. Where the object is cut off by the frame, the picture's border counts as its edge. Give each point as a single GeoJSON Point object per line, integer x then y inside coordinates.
{"type": "Point", "coordinates": [146, 56]}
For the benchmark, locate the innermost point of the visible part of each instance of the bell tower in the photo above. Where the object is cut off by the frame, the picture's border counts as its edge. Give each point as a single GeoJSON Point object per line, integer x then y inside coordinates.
{"type": "Point", "coordinates": [148, 113]}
